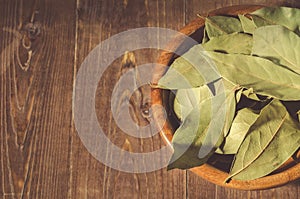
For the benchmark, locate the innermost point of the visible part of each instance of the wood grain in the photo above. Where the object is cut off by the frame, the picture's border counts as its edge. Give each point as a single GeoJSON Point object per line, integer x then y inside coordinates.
{"type": "Point", "coordinates": [42, 45]}
{"type": "Point", "coordinates": [97, 21]}
{"type": "Point", "coordinates": [37, 52]}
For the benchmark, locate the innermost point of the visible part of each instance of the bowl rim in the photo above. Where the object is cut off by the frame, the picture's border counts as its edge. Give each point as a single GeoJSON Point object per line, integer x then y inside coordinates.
{"type": "Point", "coordinates": [206, 171]}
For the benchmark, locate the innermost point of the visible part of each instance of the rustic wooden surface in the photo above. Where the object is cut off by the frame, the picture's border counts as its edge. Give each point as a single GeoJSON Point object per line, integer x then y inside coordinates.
{"type": "Point", "coordinates": [42, 45]}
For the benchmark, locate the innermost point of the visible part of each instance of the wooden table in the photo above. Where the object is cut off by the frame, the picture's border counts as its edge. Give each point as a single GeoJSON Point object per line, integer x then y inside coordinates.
{"type": "Point", "coordinates": [42, 46]}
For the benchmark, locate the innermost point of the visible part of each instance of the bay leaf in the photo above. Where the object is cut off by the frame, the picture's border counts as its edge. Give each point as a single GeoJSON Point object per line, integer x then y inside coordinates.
{"type": "Point", "coordinates": [187, 99]}
{"type": "Point", "coordinates": [192, 69]}
{"type": "Point", "coordinates": [265, 77]}
{"type": "Point", "coordinates": [184, 140]}
{"type": "Point", "coordinates": [220, 25]}
{"type": "Point", "coordinates": [230, 43]}
{"type": "Point", "coordinates": [201, 131]}
{"type": "Point", "coordinates": [239, 128]}
{"type": "Point", "coordinates": [205, 37]}
{"type": "Point", "coordinates": [259, 22]}
{"type": "Point", "coordinates": [248, 25]}
{"type": "Point", "coordinates": [278, 44]}
{"type": "Point", "coordinates": [230, 110]}
{"type": "Point", "coordinates": [285, 16]}
{"type": "Point", "coordinates": [223, 117]}
{"type": "Point", "coordinates": [254, 105]}
{"type": "Point", "coordinates": [230, 90]}
{"type": "Point", "coordinates": [238, 95]}
{"type": "Point", "coordinates": [230, 104]}
{"type": "Point", "coordinates": [271, 140]}
{"type": "Point", "coordinates": [249, 93]}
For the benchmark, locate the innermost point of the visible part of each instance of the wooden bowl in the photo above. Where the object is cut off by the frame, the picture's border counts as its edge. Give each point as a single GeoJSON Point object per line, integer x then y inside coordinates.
{"type": "Point", "coordinates": [289, 172]}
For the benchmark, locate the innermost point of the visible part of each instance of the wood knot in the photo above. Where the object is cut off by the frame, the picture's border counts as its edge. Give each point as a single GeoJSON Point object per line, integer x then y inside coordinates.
{"type": "Point", "coordinates": [146, 110]}
{"type": "Point", "coordinates": [128, 60]}
{"type": "Point", "coordinates": [33, 30]}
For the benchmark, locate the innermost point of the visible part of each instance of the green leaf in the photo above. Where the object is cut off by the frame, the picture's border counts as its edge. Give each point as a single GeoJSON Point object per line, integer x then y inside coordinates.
{"type": "Point", "coordinates": [220, 25]}
{"type": "Point", "coordinates": [230, 43]}
{"type": "Point", "coordinates": [259, 22]}
{"type": "Point", "coordinates": [238, 95]}
{"type": "Point", "coordinates": [248, 25]}
{"type": "Point", "coordinates": [271, 140]}
{"type": "Point", "coordinates": [187, 99]}
{"type": "Point", "coordinates": [279, 45]}
{"type": "Point", "coordinates": [265, 77]}
{"type": "Point", "coordinates": [205, 37]}
{"type": "Point", "coordinates": [230, 105]}
{"type": "Point", "coordinates": [288, 17]}
{"type": "Point", "coordinates": [201, 131]}
{"type": "Point", "coordinates": [186, 136]}
{"type": "Point", "coordinates": [249, 93]}
{"type": "Point", "coordinates": [239, 128]}
{"type": "Point", "coordinates": [192, 69]}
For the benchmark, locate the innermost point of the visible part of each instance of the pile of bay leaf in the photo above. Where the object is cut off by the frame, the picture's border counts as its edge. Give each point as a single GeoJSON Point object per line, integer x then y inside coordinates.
{"type": "Point", "coordinates": [238, 92]}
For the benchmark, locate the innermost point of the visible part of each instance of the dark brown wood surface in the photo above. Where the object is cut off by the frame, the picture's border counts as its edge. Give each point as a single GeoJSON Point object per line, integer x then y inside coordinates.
{"type": "Point", "coordinates": [42, 45]}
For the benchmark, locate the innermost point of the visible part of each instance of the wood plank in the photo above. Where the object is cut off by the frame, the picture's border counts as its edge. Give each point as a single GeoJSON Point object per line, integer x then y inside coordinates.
{"type": "Point", "coordinates": [97, 21]}
{"type": "Point", "coordinates": [197, 187]}
{"type": "Point", "coordinates": [37, 53]}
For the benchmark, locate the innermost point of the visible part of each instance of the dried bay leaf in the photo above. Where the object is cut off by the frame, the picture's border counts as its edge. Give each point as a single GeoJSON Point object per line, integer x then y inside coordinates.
{"type": "Point", "coordinates": [230, 43]}
{"type": "Point", "coordinates": [194, 135]}
{"type": "Point", "coordinates": [238, 95]}
{"type": "Point", "coordinates": [248, 25]}
{"type": "Point", "coordinates": [193, 69]}
{"type": "Point", "coordinates": [187, 99]}
{"type": "Point", "coordinates": [239, 128]}
{"type": "Point", "coordinates": [230, 111]}
{"type": "Point", "coordinates": [230, 103]}
{"type": "Point", "coordinates": [258, 21]}
{"type": "Point", "coordinates": [185, 137]}
{"type": "Point", "coordinates": [278, 44]}
{"type": "Point", "coordinates": [230, 107]}
{"type": "Point", "coordinates": [288, 17]}
{"type": "Point", "coordinates": [252, 104]}
{"type": "Point", "coordinates": [249, 93]}
{"type": "Point", "coordinates": [271, 140]}
{"type": "Point", "coordinates": [243, 102]}
{"type": "Point", "coordinates": [265, 77]}
{"type": "Point", "coordinates": [205, 37]}
{"type": "Point", "coordinates": [220, 25]}
{"type": "Point", "coordinates": [223, 117]}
